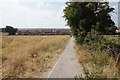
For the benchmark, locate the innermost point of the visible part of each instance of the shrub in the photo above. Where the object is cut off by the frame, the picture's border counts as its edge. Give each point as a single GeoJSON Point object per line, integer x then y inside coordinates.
{"type": "Point", "coordinates": [95, 42]}
{"type": "Point", "coordinates": [100, 48]}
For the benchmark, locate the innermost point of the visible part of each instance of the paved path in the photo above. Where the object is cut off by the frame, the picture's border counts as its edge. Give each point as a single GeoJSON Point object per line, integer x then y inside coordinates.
{"type": "Point", "coordinates": [67, 66]}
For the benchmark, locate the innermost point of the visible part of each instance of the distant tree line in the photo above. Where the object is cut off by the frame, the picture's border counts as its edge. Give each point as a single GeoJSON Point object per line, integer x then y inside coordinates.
{"type": "Point", "coordinates": [9, 29]}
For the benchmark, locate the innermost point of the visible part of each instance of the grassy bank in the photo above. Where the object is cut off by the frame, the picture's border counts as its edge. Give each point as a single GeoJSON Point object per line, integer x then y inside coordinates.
{"type": "Point", "coordinates": [30, 56]}
{"type": "Point", "coordinates": [98, 64]}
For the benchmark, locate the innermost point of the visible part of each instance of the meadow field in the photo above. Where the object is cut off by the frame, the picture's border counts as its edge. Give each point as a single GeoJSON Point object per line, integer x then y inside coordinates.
{"type": "Point", "coordinates": [30, 56]}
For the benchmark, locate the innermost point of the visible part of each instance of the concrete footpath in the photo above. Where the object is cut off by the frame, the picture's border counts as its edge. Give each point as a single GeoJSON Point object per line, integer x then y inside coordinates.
{"type": "Point", "coordinates": [67, 66]}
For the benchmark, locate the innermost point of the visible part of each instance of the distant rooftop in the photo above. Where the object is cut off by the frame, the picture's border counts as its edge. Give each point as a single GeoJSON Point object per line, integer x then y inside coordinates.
{"type": "Point", "coordinates": [39, 28]}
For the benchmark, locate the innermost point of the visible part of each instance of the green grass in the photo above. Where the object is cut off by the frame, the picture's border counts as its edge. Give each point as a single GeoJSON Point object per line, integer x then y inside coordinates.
{"type": "Point", "coordinates": [114, 39]}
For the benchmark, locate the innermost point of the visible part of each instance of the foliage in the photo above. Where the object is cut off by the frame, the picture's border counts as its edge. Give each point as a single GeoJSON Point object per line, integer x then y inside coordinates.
{"type": "Point", "coordinates": [11, 30]}
{"type": "Point", "coordinates": [118, 33]}
{"type": "Point", "coordinates": [84, 16]}
{"type": "Point", "coordinates": [99, 43]}
{"type": "Point", "coordinates": [94, 41]}
{"type": "Point", "coordinates": [95, 75]}
{"type": "Point", "coordinates": [96, 64]}
{"type": "Point", "coordinates": [100, 48]}
{"type": "Point", "coordinates": [89, 22]}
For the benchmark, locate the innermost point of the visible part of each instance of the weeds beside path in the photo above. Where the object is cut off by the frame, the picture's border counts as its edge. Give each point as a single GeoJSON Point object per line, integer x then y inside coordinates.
{"type": "Point", "coordinates": [97, 65]}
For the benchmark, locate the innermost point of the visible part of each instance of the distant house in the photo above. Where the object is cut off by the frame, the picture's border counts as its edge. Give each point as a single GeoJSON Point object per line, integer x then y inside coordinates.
{"type": "Point", "coordinates": [66, 31]}
{"type": "Point", "coordinates": [53, 31]}
{"type": "Point", "coordinates": [39, 32]}
{"type": "Point", "coordinates": [26, 32]}
{"type": "Point", "coordinates": [59, 32]}
{"type": "Point", "coordinates": [44, 31]}
{"type": "Point", "coordinates": [21, 32]}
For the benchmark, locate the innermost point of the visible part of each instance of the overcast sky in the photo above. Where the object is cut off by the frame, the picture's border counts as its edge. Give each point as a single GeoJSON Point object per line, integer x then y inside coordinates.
{"type": "Point", "coordinates": [37, 13]}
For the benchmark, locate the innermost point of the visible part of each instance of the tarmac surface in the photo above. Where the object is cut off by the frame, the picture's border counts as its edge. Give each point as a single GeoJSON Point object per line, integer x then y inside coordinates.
{"type": "Point", "coordinates": [67, 65]}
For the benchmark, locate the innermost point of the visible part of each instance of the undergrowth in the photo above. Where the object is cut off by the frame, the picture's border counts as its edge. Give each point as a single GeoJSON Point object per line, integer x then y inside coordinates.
{"type": "Point", "coordinates": [99, 55]}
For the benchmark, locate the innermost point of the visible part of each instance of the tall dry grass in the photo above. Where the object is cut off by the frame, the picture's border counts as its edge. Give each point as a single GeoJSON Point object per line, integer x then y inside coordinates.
{"type": "Point", "coordinates": [29, 57]}
{"type": "Point", "coordinates": [98, 64]}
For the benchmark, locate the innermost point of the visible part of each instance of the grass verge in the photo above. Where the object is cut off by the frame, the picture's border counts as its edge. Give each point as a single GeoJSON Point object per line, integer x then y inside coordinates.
{"type": "Point", "coordinates": [97, 64]}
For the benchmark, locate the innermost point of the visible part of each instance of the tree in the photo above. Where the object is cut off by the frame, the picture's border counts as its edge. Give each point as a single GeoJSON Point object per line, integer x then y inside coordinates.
{"type": "Point", "coordinates": [11, 30]}
{"type": "Point", "coordinates": [82, 17]}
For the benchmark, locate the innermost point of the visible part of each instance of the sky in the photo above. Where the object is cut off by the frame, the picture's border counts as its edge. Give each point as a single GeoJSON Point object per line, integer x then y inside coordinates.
{"type": "Point", "coordinates": [38, 13]}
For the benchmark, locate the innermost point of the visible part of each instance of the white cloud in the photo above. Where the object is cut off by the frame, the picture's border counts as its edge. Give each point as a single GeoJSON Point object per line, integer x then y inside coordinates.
{"type": "Point", "coordinates": [42, 4]}
{"type": "Point", "coordinates": [44, 0]}
{"type": "Point", "coordinates": [113, 0]}
{"type": "Point", "coordinates": [114, 15]}
{"type": "Point", "coordinates": [17, 15]}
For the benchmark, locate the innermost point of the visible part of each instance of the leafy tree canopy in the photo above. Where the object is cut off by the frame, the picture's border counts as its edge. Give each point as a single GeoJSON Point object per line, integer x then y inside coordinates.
{"type": "Point", "coordinates": [82, 17]}
{"type": "Point", "coordinates": [11, 30]}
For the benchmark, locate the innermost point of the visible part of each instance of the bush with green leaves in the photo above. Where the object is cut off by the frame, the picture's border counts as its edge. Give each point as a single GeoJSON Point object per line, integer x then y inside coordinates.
{"type": "Point", "coordinates": [84, 16]}
{"type": "Point", "coordinates": [98, 43]}
{"type": "Point", "coordinates": [95, 42]}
